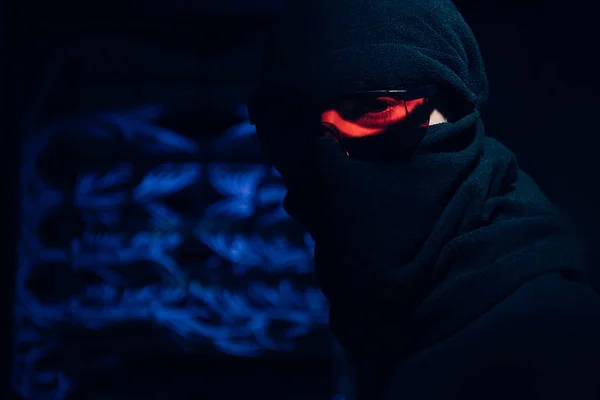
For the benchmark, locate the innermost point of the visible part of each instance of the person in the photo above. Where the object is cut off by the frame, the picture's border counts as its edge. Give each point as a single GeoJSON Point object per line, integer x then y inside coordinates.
{"type": "Point", "coordinates": [448, 273]}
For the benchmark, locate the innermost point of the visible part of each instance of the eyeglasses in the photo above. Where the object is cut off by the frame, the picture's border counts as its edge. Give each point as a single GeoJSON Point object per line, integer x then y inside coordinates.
{"type": "Point", "coordinates": [381, 125]}
{"type": "Point", "coordinates": [376, 126]}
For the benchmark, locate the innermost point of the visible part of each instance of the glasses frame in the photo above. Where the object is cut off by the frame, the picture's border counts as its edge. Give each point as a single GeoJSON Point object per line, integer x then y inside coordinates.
{"type": "Point", "coordinates": [266, 102]}
{"type": "Point", "coordinates": [426, 92]}
{"type": "Point", "coordinates": [259, 99]}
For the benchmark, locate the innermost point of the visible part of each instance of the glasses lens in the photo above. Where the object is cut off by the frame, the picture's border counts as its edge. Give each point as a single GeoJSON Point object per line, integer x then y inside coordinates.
{"type": "Point", "coordinates": [374, 127]}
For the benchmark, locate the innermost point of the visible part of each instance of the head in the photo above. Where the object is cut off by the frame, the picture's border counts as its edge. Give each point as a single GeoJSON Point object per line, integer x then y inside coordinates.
{"type": "Point", "coordinates": [327, 49]}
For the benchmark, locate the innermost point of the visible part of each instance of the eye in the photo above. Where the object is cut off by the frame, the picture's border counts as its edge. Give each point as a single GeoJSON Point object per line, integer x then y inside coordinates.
{"type": "Point", "coordinates": [355, 108]}
{"type": "Point", "coordinates": [365, 117]}
{"type": "Point", "coordinates": [385, 112]}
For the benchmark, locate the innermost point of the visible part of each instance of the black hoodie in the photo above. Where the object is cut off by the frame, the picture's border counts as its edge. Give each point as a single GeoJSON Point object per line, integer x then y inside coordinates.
{"type": "Point", "coordinates": [449, 275]}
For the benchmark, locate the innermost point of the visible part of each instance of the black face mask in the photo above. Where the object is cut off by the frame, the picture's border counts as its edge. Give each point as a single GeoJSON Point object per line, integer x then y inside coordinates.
{"type": "Point", "coordinates": [370, 215]}
{"type": "Point", "coordinates": [396, 243]}
{"type": "Point", "coordinates": [430, 231]}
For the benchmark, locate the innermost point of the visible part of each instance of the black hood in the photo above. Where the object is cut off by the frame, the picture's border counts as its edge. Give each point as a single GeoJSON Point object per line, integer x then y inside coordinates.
{"type": "Point", "coordinates": [406, 253]}
{"type": "Point", "coordinates": [336, 46]}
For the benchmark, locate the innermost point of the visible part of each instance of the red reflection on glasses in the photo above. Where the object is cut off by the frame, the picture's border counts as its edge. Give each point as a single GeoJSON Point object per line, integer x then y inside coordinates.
{"type": "Point", "coordinates": [369, 118]}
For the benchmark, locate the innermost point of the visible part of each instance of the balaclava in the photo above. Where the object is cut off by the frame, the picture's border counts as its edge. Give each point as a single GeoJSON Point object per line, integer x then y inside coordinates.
{"type": "Point", "coordinates": [407, 253]}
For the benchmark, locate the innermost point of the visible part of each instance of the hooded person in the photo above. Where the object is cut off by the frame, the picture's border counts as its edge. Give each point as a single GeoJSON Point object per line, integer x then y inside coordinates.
{"type": "Point", "coordinates": [448, 273]}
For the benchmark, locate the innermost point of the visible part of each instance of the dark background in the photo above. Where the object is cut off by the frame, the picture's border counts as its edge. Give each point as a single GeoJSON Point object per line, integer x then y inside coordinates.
{"type": "Point", "coordinates": [544, 101]}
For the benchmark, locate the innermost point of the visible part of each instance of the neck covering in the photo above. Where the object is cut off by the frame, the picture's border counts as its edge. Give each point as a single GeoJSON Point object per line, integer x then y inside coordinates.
{"type": "Point", "coordinates": [406, 253]}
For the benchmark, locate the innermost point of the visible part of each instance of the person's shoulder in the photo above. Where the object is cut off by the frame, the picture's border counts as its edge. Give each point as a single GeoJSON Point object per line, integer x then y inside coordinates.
{"type": "Point", "coordinates": [560, 322]}
{"type": "Point", "coordinates": [553, 307]}
{"type": "Point", "coordinates": [555, 297]}
{"type": "Point", "coordinates": [548, 316]}
{"type": "Point", "coordinates": [548, 331]}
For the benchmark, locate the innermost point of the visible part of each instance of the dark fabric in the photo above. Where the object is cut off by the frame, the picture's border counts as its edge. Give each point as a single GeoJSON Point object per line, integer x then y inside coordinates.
{"type": "Point", "coordinates": [339, 46]}
{"type": "Point", "coordinates": [408, 254]}
{"type": "Point", "coordinates": [540, 343]}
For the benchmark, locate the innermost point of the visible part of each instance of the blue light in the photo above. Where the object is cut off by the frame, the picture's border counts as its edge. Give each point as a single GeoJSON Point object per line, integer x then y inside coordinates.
{"type": "Point", "coordinates": [235, 138]}
{"type": "Point", "coordinates": [137, 126]}
{"type": "Point", "coordinates": [90, 189]}
{"type": "Point", "coordinates": [165, 180]}
{"type": "Point", "coordinates": [236, 181]}
{"type": "Point", "coordinates": [247, 230]}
